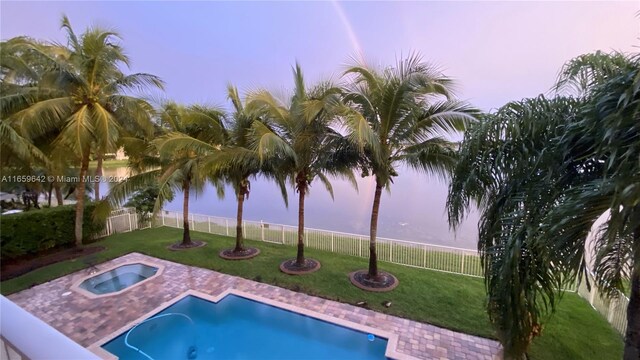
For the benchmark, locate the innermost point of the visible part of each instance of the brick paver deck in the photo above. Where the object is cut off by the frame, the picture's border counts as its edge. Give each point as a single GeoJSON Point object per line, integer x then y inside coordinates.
{"type": "Point", "coordinates": [88, 320]}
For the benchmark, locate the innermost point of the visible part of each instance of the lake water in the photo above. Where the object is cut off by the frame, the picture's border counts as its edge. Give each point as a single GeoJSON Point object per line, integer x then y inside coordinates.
{"type": "Point", "coordinates": [413, 211]}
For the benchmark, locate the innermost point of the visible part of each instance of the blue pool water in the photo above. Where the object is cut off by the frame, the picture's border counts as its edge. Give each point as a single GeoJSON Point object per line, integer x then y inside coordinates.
{"type": "Point", "coordinates": [238, 328]}
{"type": "Point", "coordinates": [118, 278]}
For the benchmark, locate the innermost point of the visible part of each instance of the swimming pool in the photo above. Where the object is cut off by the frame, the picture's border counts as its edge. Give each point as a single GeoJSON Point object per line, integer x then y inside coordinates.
{"type": "Point", "coordinates": [118, 279]}
{"type": "Point", "coordinates": [240, 328]}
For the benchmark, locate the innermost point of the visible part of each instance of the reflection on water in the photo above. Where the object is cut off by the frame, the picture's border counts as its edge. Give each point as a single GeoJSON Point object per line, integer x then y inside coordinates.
{"type": "Point", "coordinates": [414, 210]}
{"type": "Point", "coordinates": [112, 174]}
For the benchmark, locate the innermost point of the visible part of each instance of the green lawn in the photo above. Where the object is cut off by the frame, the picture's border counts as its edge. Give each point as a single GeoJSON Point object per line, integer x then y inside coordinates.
{"type": "Point", "coordinates": [356, 245]}
{"type": "Point", "coordinates": [108, 164]}
{"type": "Point", "coordinates": [452, 301]}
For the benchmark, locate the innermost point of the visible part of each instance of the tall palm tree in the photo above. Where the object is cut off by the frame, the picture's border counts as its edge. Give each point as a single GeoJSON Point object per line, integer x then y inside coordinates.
{"type": "Point", "coordinates": [300, 134]}
{"type": "Point", "coordinates": [542, 171]}
{"type": "Point", "coordinates": [238, 173]}
{"type": "Point", "coordinates": [233, 161]}
{"type": "Point", "coordinates": [159, 162]}
{"type": "Point", "coordinates": [404, 116]}
{"type": "Point", "coordinates": [85, 95]}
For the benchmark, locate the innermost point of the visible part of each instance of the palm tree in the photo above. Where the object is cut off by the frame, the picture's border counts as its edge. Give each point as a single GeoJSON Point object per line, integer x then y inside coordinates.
{"type": "Point", "coordinates": [609, 134]}
{"type": "Point", "coordinates": [404, 115]}
{"type": "Point", "coordinates": [86, 96]}
{"type": "Point", "coordinates": [234, 161]}
{"type": "Point", "coordinates": [542, 171]}
{"type": "Point", "coordinates": [300, 134]}
{"type": "Point", "coordinates": [238, 163]}
{"type": "Point", "coordinates": [21, 71]}
{"type": "Point", "coordinates": [159, 163]}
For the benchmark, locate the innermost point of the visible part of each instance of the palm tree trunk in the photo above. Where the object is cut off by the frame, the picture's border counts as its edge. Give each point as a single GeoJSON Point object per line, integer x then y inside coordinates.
{"type": "Point", "coordinates": [373, 231]}
{"type": "Point", "coordinates": [58, 190]}
{"type": "Point", "coordinates": [301, 192]}
{"type": "Point", "coordinates": [632, 336]}
{"type": "Point", "coordinates": [98, 176]}
{"type": "Point", "coordinates": [186, 236]}
{"type": "Point", "coordinates": [239, 236]}
{"type": "Point", "coordinates": [84, 166]}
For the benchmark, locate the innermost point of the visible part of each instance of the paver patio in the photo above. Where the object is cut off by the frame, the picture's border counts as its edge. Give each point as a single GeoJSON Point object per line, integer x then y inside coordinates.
{"type": "Point", "coordinates": [89, 320]}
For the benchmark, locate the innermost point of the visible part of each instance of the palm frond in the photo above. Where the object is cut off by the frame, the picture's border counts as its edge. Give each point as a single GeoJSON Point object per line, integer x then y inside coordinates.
{"type": "Point", "coordinates": [268, 144]}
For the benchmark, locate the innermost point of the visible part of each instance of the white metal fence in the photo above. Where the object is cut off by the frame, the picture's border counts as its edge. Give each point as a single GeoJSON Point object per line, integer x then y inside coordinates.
{"type": "Point", "coordinates": [123, 220]}
{"type": "Point", "coordinates": [434, 257]}
{"type": "Point", "coordinates": [614, 310]}
{"type": "Point", "coordinates": [426, 256]}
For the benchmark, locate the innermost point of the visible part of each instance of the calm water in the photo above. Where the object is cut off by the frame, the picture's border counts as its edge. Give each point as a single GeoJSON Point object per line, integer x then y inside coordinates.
{"type": "Point", "coordinates": [237, 328]}
{"type": "Point", "coordinates": [414, 210]}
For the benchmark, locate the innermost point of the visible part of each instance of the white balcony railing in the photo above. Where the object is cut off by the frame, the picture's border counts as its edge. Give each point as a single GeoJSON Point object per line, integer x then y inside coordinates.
{"type": "Point", "coordinates": [24, 336]}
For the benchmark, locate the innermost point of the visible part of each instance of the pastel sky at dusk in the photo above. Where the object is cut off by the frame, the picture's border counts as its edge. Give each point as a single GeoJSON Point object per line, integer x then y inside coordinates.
{"type": "Point", "coordinates": [497, 51]}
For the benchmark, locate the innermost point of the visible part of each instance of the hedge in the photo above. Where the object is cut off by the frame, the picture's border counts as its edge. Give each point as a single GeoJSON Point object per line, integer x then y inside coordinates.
{"type": "Point", "coordinates": [34, 231]}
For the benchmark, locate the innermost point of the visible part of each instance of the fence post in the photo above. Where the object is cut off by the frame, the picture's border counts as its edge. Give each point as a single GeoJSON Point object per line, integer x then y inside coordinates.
{"type": "Point", "coordinates": [282, 234]}
{"type": "Point", "coordinates": [177, 221]}
{"type": "Point", "coordinates": [209, 223]}
{"type": "Point", "coordinates": [163, 219]}
{"type": "Point", "coordinates": [261, 230]}
{"type": "Point", "coordinates": [244, 227]}
{"type": "Point", "coordinates": [462, 266]}
{"type": "Point", "coordinates": [226, 225]}
{"type": "Point", "coordinates": [391, 252]}
{"type": "Point", "coordinates": [425, 257]}
{"type": "Point", "coordinates": [360, 246]}
{"type": "Point", "coordinates": [110, 226]}
{"type": "Point", "coordinates": [331, 242]}
{"type": "Point", "coordinates": [130, 224]}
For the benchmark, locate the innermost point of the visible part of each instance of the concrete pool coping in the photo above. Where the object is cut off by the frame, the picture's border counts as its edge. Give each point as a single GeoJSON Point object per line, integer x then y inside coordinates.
{"type": "Point", "coordinates": [76, 286]}
{"type": "Point", "coordinates": [392, 339]}
{"type": "Point", "coordinates": [91, 321]}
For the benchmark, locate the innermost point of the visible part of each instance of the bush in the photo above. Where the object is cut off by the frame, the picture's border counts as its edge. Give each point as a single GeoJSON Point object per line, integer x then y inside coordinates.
{"type": "Point", "coordinates": [144, 201]}
{"type": "Point", "coordinates": [35, 231]}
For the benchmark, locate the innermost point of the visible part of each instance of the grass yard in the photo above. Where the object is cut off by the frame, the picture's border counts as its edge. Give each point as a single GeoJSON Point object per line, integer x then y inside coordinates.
{"type": "Point", "coordinates": [453, 301]}
{"type": "Point", "coordinates": [347, 244]}
{"type": "Point", "coordinates": [109, 164]}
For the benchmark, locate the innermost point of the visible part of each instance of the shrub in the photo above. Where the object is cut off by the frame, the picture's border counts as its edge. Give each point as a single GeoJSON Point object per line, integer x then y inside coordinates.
{"type": "Point", "coordinates": [144, 201]}
{"type": "Point", "coordinates": [34, 231]}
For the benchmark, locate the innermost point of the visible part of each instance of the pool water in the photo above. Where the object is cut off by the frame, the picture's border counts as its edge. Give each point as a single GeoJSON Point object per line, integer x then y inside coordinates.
{"type": "Point", "coordinates": [118, 278]}
{"type": "Point", "coordinates": [239, 328]}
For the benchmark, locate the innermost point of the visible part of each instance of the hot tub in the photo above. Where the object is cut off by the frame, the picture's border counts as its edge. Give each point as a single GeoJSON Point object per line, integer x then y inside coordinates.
{"type": "Point", "coordinates": [118, 279]}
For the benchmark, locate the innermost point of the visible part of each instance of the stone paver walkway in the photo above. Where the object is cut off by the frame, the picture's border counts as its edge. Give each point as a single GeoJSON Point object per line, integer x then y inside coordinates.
{"type": "Point", "coordinates": [87, 320]}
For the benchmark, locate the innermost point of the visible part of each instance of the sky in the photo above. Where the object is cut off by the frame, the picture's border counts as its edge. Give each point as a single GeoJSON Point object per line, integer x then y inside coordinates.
{"type": "Point", "coordinates": [496, 51]}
